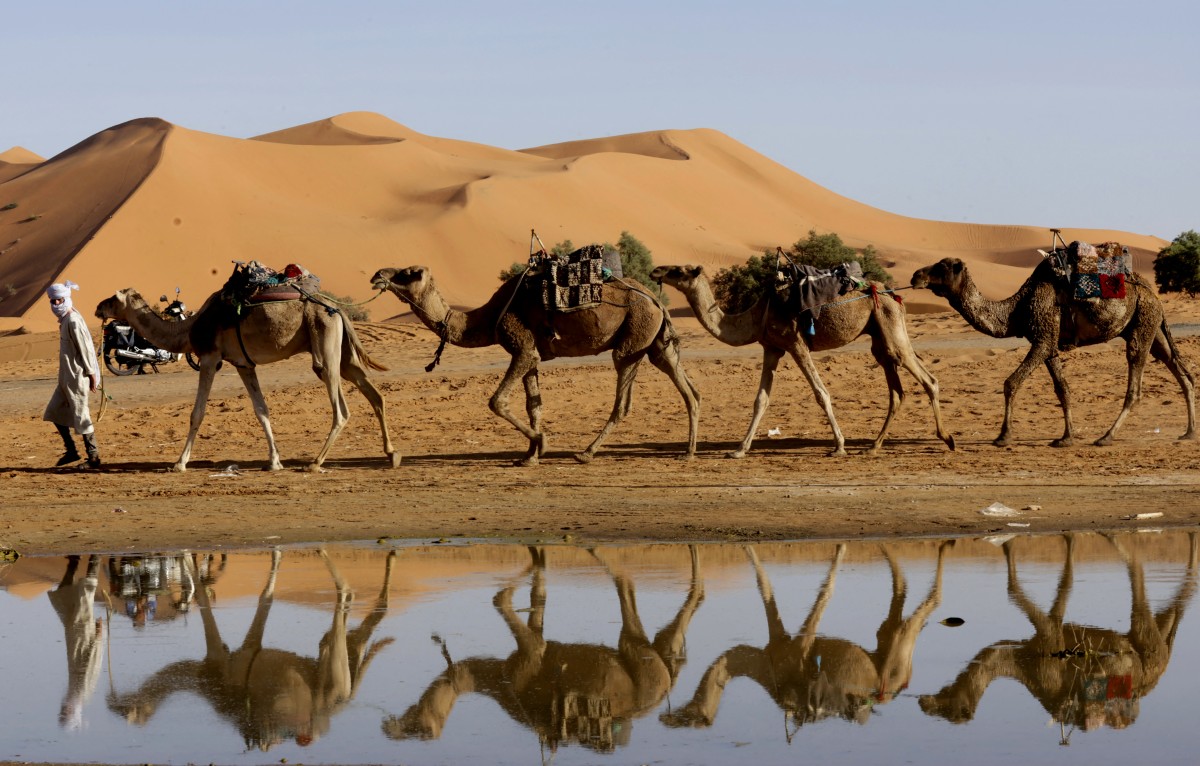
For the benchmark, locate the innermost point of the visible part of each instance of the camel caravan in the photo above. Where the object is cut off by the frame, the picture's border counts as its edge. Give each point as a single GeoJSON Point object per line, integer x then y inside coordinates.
{"type": "Point", "coordinates": [578, 304]}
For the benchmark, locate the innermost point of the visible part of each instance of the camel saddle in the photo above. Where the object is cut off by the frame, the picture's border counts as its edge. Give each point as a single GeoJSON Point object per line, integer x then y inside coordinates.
{"type": "Point", "coordinates": [575, 280]}
{"type": "Point", "coordinates": [255, 283]}
{"type": "Point", "coordinates": [808, 288]}
{"type": "Point", "coordinates": [1091, 272]}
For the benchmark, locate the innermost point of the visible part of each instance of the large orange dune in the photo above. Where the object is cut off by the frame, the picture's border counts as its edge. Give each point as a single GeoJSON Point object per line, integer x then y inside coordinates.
{"type": "Point", "coordinates": [153, 205]}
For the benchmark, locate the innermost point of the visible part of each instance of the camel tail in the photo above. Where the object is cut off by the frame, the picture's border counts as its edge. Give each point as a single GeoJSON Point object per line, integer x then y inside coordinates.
{"type": "Point", "coordinates": [1166, 331]}
{"type": "Point", "coordinates": [356, 345]}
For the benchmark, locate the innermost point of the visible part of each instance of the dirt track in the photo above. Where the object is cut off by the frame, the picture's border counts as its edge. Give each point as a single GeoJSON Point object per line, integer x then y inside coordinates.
{"type": "Point", "coordinates": [457, 477]}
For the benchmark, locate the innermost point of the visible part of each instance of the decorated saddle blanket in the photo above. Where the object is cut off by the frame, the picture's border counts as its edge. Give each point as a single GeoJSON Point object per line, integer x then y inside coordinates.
{"type": "Point", "coordinates": [1099, 271]}
{"type": "Point", "coordinates": [808, 288]}
{"type": "Point", "coordinates": [255, 283]}
{"type": "Point", "coordinates": [576, 280]}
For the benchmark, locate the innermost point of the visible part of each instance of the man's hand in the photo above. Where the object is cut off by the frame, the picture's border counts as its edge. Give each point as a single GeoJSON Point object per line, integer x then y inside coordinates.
{"type": "Point", "coordinates": [93, 382]}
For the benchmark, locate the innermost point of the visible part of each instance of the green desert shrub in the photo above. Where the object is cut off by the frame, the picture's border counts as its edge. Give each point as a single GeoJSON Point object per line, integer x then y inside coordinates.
{"type": "Point", "coordinates": [1177, 266]}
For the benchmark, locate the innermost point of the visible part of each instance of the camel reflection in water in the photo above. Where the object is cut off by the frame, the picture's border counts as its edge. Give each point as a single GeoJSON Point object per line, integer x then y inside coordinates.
{"type": "Point", "coordinates": [585, 693]}
{"type": "Point", "coordinates": [1085, 677]}
{"type": "Point", "coordinates": [269, 694]}
{"type": "Point", "coordinates": [811, 676]}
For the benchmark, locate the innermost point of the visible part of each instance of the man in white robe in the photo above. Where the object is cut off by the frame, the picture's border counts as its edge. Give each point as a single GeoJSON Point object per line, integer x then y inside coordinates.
{"type": "Point", "coordinates": [78, 374]}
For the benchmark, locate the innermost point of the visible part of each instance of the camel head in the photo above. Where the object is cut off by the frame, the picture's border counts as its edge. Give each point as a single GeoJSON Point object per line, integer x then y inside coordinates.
{"type": "Point", "coordinates": [679, 277]}
{"type": "Point", "coordinates": [405, 283]}
{"type": "Point", "coordinates": [120, 305]}
{"type": "Point", "coordinates": [954, 705]}
{"type": "Point", "coordinates": [944, 278]}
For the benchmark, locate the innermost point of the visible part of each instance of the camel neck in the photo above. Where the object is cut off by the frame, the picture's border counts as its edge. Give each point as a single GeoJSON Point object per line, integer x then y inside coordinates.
{"type": "Point", "coordinates": [739, 329]}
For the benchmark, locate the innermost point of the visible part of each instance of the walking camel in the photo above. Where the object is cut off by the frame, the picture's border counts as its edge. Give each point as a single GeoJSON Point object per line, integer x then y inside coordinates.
{"type": "Point", "coordinates": [270, 693]}
{"type": "Point", "coordinates": [589, 693]}
{"type": "Point", "coordinates": [812, 676]}
{"type": "Point", "coordinates": [629, 321]}
{"type": "Point", "coordinates": [1044, 313]}
{"type": "Point", "coordinates": [773, 326]}
{"type": "Point", "coordinates": [1083, 676]}
{"type": "Point", "coordinates": [268, 332]}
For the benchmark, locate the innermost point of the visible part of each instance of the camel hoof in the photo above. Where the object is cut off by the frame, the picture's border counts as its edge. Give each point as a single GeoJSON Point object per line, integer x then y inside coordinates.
{"type": "Point", "coordinates": [687, 456]}
{"type": "Point", "coordinates": [1063, 442]}
{"type": "Point", "coordinates": [526, 462]}
{"type": "Point", "coordinates": [584, 457]}
{"type": "Point", "coordinates": [178, 468]}
{"type": "Point", "coordinates": [310, 468]}
{"type": "Point", "coordinates": [737, 454]}
{"type": "Point", "coordinates": [950, 443]}
{"type": "Point", "coordinates": [1002, 441]}
{"type": "Point", "coordinates": [838, 452]}
{"type": "Point", "coordinates": [873, 450]}
{"type": "Point", "coordinates": [394, 459]}
{"type": "Point", "coordinates": [1104, 441]}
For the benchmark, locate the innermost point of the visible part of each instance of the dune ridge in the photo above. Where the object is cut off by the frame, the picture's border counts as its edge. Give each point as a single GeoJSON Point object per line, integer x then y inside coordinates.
{"type": "Point", "coordinates": [153, 205]}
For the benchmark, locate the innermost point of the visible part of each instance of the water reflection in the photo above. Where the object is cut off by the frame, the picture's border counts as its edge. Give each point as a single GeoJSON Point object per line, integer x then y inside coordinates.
{"type": "Point", "coordinates": [74, 601]}
{"type": "Point", "coordinates": [643, 653]}
{"type": "Point", "coordinates": [268, 694]}
{"type": "Point", "coordinates": [811, 676]}
{"type": "Point", "coordinates": [565, 692]}
{"type": "Point", "coordinates": [1085, 677]}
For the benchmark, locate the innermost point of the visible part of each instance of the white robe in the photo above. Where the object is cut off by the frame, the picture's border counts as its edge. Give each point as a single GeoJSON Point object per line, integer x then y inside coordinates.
{"type": "Point", "coordinates": [76, 362]}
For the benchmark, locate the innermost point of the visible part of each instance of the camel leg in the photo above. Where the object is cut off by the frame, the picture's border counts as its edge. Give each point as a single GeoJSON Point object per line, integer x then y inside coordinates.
{"type": "Point", "coordinates": [1039, 353]}
{"type": "Point", "coordinates": [1163, 350]}
{"type": "Point", "coordinates": [895, 397]}
{"type": "Point", "coordinates": [770, 363]}
{"type": "Point", "coordinates": [341, 414]}
{"type": "Point", "coordinates": [533, 407]}
{"type": "Point", "coordinates": [1137, 354]}
{"type": "Point", "coordinates": [208, 371]}
{"type": "Point", "coordinates": [1063, 391]}
{"type": "Point", "coordinates": [250, 381]}
{"type": "Point", "coordinates": [909, 360]}
{"type": "Point", "coordinates": [518, 367]}
{"type": "Point", "coordinates": [666, 358]}
{"type": "Point", "coordinates": [805, 361]}
{"type": "Point", "coordinates": [626, 374]}
{"type": "Point", "coordinates": [354, 373]}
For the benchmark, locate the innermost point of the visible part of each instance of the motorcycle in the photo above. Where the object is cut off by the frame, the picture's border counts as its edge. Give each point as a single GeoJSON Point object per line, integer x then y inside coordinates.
{"type": "Point", "coordinates": [126, 352]}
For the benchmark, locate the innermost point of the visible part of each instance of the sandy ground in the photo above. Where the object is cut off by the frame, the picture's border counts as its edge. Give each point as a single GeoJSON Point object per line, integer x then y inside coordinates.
{"type": "Point", "coordinates": [457, 478]}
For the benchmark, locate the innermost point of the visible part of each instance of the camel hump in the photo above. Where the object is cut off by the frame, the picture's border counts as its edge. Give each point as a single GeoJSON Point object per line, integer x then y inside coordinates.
{"type": "Point", "coordinates": [576, 280]}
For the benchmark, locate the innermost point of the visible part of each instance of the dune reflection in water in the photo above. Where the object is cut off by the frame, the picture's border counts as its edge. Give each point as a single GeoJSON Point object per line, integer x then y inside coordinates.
{"type": "Point", "coordinates": [647, 653]}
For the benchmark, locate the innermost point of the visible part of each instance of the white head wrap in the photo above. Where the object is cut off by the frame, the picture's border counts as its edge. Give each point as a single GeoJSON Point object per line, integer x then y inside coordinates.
{"type": "Point", "coordinates": [61, 290]}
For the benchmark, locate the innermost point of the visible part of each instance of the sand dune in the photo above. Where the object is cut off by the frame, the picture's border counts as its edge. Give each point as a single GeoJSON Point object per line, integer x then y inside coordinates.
{"type": "Point", "coordinates": [155, 206]}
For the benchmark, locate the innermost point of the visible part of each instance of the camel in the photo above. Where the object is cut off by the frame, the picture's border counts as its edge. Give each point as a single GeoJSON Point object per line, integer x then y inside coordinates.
{"type": "Point", "coordinates": [774, 327]}
{"type": "Point", "coordinates": [1083, 676]}
{"type": "Point", "coordinates": [268, 332]}
{"type": "Point", "coordinates": [270, 693]}
{"type": "Point", "coordinates": [1044, 312]}
{"type": "Point", "coordinates": [629, 321]}
{"type": "Point", "coordinates": [589, 693]}
{"type": "Point", "coordinates": [811, 676]}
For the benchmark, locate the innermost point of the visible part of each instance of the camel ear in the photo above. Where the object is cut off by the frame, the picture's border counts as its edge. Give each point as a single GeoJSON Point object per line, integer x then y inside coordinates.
{"type": "Point", "coordinates": [695, 271]}
{"type": "Point", "coordinates": [956, 267]}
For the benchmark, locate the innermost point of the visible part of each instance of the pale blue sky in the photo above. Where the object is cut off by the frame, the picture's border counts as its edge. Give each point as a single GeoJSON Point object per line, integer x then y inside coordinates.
{"type": "Point", "coordinates": [1069, 114]}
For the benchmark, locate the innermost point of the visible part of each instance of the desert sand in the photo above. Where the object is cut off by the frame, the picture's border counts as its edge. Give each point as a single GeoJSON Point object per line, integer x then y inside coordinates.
{"type": "Point", "coordinates": [153, 205]}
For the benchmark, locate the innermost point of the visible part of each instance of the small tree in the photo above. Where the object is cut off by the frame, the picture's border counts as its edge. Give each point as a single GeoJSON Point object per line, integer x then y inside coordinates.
{"type": "Point", "coordinates": [637, 263]}
{"type": "Point", "coordinates": [827, 250]}
{"type": "Point", "coordinates": [1177, 266]}
{"type": "Point", "coordinates": [737, 288]}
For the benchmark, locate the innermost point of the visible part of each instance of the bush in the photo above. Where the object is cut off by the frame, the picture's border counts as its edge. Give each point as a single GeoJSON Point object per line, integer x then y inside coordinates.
{"type": "Point", "coordinates": [737, 288]}
{"type": "Point", "coordinates": [1177, 266]}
